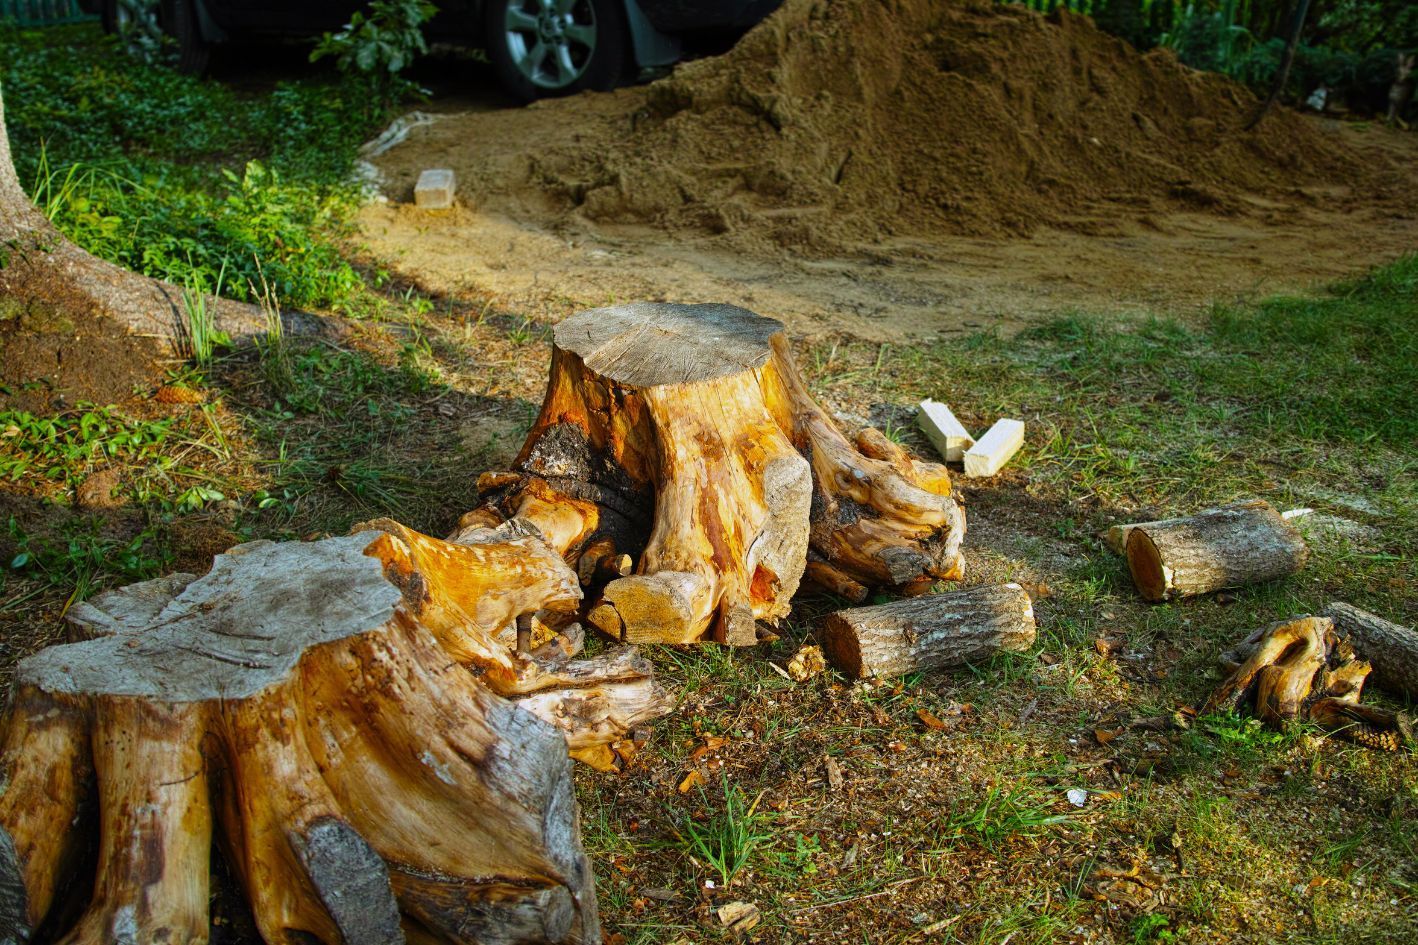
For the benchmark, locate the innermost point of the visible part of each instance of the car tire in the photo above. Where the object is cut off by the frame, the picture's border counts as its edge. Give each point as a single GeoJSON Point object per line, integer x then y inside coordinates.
{"type": "Point", "coordinates": [194, 53]}
{"type": "Point", "coordinates": [541, 48]}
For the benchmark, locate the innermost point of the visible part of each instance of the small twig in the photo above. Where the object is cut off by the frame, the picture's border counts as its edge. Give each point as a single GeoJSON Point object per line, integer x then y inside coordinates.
{"type": "Point", "coordinates": [851, 899]}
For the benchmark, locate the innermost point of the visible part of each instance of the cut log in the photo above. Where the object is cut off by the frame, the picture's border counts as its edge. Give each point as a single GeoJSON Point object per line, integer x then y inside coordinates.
{"type": "Point", "coordinates": [1301, 670]}
{"type": "Point", "coordinates": [333, 710]}
{"type": "Point", "coordinates": [1391, 649]}
{"type": "Point", "coordinates": [935, 631]}
{"type": "Point", "coordinates": [683, 438]}
{"type": "Point", "coordinates": [995, 448]}
{"type": "Point", "coordinates": [947, 434]}
{"type": "Point", "coordinates": [1232, 546]}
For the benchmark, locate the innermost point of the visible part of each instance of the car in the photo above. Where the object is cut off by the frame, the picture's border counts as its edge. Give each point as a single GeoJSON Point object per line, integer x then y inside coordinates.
{"type": "Point", "coordinates": [536, 47]}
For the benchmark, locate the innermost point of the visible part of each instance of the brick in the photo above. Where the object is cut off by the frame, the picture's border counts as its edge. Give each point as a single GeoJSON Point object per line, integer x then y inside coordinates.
{"type": "Point", "coordinates": [435, 189]}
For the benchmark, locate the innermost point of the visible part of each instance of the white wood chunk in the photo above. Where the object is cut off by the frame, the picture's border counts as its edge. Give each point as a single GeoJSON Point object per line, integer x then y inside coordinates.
{"type": "Point", "coordinates": [947, 434]}
{"type": "Point", "coordinates": [435, 188]}
{"type": "Point", "coordinates": [995, 448]}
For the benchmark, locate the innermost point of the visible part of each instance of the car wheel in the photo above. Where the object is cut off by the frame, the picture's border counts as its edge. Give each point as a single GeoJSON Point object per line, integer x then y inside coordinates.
{"type": "Point", "coordinates": [555, 47]}
{"type": "Point", "coordinates": [194, 53]}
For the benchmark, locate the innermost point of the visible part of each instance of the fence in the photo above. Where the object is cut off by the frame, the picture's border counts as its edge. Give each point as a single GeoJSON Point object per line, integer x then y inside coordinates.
{"type": "Point", "coordinates": [42, 12]}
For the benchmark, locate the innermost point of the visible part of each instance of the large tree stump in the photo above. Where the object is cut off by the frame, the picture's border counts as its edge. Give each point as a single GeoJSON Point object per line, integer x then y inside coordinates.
{"type": "Point", "coordinates": [335, 712]}
{"type": "Point", "coordinates": [1301, 670]}
{"type": "Point", "coordinates": [935, 631]}
{"type": "Point", "coordinates": [1231, 546]}
{"type": "Point", "coordinates": [683, 437]}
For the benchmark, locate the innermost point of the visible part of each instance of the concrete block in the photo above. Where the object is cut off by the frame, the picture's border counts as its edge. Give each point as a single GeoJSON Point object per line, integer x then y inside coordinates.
{"type": "Point", "coordinates": [947, 434]}
{"type": "Point", "coordinates": [435, 189]}
{"type": "Point", "coordinates": [995, 448]}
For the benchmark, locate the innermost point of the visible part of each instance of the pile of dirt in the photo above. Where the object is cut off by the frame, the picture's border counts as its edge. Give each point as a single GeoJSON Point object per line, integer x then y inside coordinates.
{"type": "Point", "coordinates": [849, 121]}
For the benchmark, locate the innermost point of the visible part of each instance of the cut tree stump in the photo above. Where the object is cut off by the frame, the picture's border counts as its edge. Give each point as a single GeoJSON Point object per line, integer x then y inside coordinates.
{"type": "Point", "coordinates": [935, 631]}
{"type": "Point", "coordinates": [344, 716]}
{"type": "Point", "coordinates": [1391, 649]}
{"type": "Point", "coordinates": [1300, 669]}
{"type": "Point", "coordinates": [683, 437]}
{"type": "Point", "coordinates": [1232, 546]}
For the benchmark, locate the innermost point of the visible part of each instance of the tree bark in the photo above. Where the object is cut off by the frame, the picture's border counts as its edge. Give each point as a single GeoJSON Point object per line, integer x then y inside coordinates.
{"type": "Point", "coordinates": [1231, 546]}
{"type": "Point", "coordinates": [145, 306]}
{"type": "Point", "coordinates": [935, 631]}
{"type": "Point", "coordinates": [347, 716]}
{"type": "Point", "coordinates": [1390, 648]}
{"type": "Point", "coordinates": [683, 437]}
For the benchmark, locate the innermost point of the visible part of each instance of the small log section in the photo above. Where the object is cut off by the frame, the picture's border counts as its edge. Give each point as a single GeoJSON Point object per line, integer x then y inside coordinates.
{"type": "Point", "coordinates": [1232, 546]}
{"type": "Point", "coordinates": [1301, 669]}
{"type": "Point", "coordinates": [343, 715]}
{"type": "Point", "coordinates": [935, 631]}
{"type": "Point", "coordinates": [682, 467]}
{"type": "Point", "coordinates": [1390, 648]}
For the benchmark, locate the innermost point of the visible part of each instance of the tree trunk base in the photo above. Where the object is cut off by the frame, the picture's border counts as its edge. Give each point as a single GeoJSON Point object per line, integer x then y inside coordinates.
{"type": "Point", "coordinates": [345, 716]}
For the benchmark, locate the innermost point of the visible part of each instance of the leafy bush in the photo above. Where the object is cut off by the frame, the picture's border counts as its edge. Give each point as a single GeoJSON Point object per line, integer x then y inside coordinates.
{"type": "Point", "coordinates": [381, 42]}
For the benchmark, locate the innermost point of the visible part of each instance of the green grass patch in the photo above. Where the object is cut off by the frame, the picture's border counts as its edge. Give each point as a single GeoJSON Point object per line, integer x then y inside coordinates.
{"type": "Point", "coordinates": [184, 178]}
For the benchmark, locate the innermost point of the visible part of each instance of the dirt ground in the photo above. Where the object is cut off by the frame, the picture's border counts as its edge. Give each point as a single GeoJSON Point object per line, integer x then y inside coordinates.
{"type": "Point", "coordinates": [1006, 167]}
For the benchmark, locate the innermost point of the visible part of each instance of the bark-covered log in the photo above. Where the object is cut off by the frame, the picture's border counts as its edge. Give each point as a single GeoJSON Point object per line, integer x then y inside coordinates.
{"type": "Point", "coordinates": [930, 632]}
{"type": "Point", "coordinates": [1301, 669]}
{"type": "Point", "coordinates": [1231, 546]}
{"type": "Point", "coordinates": [1391, 649]}
{"type": "Point", "coordinates": [335, 711]}
{"type": "Point", "coordinates": [682, 438]}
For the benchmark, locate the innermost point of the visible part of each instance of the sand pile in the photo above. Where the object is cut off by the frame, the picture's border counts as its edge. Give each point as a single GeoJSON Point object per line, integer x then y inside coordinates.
{"type": "Point", "coordinates": [848, 120]}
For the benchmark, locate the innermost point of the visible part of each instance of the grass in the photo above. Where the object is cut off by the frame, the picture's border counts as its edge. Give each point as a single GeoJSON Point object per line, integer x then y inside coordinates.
{"type": "Point", "coordinates": [725, 842]}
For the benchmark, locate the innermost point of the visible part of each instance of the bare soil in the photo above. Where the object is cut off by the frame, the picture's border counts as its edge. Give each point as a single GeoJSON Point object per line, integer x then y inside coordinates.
{"type": "Point", "coordinates": [941, 168]}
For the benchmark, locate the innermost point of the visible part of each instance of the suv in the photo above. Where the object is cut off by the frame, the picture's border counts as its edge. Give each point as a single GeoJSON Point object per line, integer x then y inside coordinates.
{"type": "Point", "coordinates": [537, 47]}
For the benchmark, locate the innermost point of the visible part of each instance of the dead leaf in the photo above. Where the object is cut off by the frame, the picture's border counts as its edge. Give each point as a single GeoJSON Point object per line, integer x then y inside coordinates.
{"type": "Point", "coordinates": [691, 780]}
{"type": "Point", "coordinates": [1104, 736]}
{"type": "Point", "coordinates": [739, 917]}
{"type": "Point", "coordinates": [930, 720]}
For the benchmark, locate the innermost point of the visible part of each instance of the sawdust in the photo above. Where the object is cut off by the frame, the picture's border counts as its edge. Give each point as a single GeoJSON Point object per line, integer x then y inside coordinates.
{"type": "Point", "coordinates": [899, 167]}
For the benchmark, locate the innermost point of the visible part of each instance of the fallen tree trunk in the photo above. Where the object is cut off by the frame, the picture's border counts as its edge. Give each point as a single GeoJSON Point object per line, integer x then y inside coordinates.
{"type": "Point", "coordinates": [145, 306]}
{"type": "Point", "coordinates": [1300, 669]}
{"type": "Point", "coordinates": [935, 631]}
{"type": "Point", "coordinates": [1391, 649]}
{"type": "Point", "coordinates": [1232, 546]}
{"type": "Point", "coordinates": [336, 711]}
{"type": "Point", "coordinates": [683, 438]}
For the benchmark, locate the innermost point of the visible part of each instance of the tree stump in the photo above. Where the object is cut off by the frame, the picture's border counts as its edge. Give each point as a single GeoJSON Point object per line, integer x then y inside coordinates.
{"type": "Point", "coordinates": [683, 437]}
{"type": "Point", "coordinates": [1232, 546]}
{"type": "Point", "coordinates": [935, 631]}
{"type": "Point", "coordinates": [1300, 669]}
{"type": "Point", "coordinates": [335, 712]}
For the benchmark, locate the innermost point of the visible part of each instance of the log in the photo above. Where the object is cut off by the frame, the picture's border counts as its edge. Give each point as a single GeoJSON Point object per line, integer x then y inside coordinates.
{"type": "Point", "coordinates": [1300, 669]}
{"type": "Point", "coordinates": [1232, 546]}
{"type": "Point", "coordinates": [344, 716]}
{"type": "Point", "coordinates": [935, 631]}
{"type": "Point", "coordinates": [679, 447]}
{"type": "Point", "coordinates": [1391, 649]}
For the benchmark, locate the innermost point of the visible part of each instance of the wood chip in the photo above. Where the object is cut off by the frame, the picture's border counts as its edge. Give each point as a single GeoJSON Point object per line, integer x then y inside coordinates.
{"type": "Point", "coordinates": [739, 917]}
{"type": "Point", "coordinates": [834, 773]}
{"type": "Point", "coordinates": [806, 663]}
{"type": "Point", "coordinates": [931, 721]}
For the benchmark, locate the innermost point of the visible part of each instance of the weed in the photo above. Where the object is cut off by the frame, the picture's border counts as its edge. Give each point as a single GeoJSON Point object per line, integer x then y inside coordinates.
{"type": "Point", "coordinates": [1004, 813]}
{"type": "Point", "coordinates": [82, 556]}
{"type": "Point", "coordinates": [727, 841]}
{"type": "Point", "coordinates": [199, 337]}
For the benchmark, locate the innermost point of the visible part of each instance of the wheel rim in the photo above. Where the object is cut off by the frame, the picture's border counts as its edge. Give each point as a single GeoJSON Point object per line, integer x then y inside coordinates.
{"type": "Point", "coordinates": [550, 41]}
